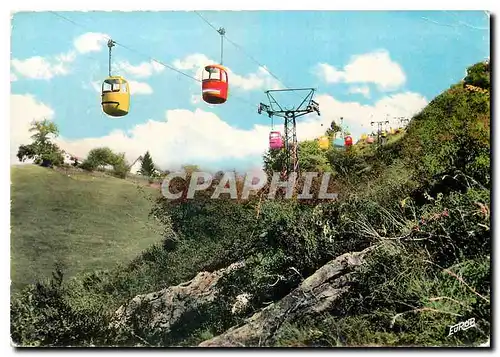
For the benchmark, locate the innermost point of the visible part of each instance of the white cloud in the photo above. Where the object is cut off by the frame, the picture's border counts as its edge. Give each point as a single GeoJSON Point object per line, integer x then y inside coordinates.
{"type": "Point", "coordinates": [142, 70]}
{"type": "Point", "coordinates": [96, 85]}
{"type": "Point", "coordinates": [252, 81]}
{"type": "Point", "coordinates": [39, 67]}
{"type": "Point", "coordinates": [357, 117]}
{"type": "Point", "coordinates": [329, 73]}
{"type": "Point", "coordinates": [137, 88]}
{"type": "Point", "coordinates": [90, 42]}
{"type": "Point", "coordinates": [200, 137]}
{"type": "Point", "coordinates": [364, 90]}
{"type": "Point", "coordinates": [66, 57]}
{"type": "Point", "coordinates": [182, 137]}
{"type": "Point", "coordinates": [13, 77]}
{"type": "Point", "coordinates": [24, 109]}
{"type": "Point", "coordinates": [374, 67]}
{"type": "Point", "coordinates": [195, 61]}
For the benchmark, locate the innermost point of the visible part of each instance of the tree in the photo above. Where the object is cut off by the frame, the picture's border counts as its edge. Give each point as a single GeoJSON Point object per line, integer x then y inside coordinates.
{"type": "Point", "coordinates": [99, 157]}
{"type": "Point", "coordinates": [42, 150]}
{"type": "Point", "coordinates": [147, 165]}
{"type": "Point", "coordinates": [120, 166]}
{"type": "Point", "coordinates": [312, 158]}
{"type": "Point", "coordinates": [332, 131]}
{"type": "Point", "coordinates": [43, 129]}
{"type": "Point", "coordinates": [478, 75]}
{"type": "Point", "coordinates": [274, 160]}
{"type": "Point", "coordinates": [105, 156]}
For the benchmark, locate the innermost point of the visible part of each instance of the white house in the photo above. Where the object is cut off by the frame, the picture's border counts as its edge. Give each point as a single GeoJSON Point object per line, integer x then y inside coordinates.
{"type": "Point", "coordinates": [135, 168]}
{"type": "Point", "coordinates": [70, 159]}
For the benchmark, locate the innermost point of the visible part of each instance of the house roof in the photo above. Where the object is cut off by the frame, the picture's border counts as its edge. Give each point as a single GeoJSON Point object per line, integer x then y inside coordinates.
{"type": "Point", "coordinates": [138, 159]}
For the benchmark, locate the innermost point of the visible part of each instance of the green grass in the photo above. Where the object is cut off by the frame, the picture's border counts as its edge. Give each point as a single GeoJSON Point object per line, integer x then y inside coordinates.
{"type": "Point", "coordinates": [84, 221]}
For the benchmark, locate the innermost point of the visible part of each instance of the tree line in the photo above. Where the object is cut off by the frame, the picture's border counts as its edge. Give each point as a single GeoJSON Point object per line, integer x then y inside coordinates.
{"type": "Point", "coordinates": [44, 152]}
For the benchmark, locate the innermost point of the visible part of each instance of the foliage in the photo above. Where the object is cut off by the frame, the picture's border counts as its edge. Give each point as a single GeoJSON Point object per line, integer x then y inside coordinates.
{"type": "Point", "coordinates": [414, 307]}
{"type": "Point", "coordinates": [147, 165]}
{"type": "Point", "coordinates": [41, 316]}
{"type": "Point", "coordinates": [120, 166]}
{"type": "Point", "coordinates": [451, 133]}
{"type": "Point", "coordinates": [312, 158]}
{"type": "Point", "coordinates": [478, 75]}
{"type": "Point", "coordinates": [98, 158]}
{"type": "Point", "coordinates": [333, 130]}
{"type": "Point", "coordinates": [42, 150]}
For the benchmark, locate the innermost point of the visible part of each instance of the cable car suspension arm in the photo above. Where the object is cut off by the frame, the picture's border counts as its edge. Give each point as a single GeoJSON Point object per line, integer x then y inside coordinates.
{"type": "Point", "coordinates": [111, 43]}
{"type": "Point", "coordinates": [221, 32]}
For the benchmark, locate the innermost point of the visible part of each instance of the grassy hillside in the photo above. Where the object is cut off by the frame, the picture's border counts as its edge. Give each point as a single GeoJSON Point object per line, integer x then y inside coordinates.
{"type": "Point", "coordinates": [83, 221]}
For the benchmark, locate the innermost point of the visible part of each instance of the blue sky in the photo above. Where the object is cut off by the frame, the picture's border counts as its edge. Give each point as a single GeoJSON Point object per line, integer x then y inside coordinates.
{"type": "Point", "coordinates": [362, 63]}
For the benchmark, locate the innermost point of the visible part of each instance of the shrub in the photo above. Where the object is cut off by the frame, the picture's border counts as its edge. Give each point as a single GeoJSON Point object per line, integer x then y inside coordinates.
{"type": "Point", "coordinates": [41, 316]}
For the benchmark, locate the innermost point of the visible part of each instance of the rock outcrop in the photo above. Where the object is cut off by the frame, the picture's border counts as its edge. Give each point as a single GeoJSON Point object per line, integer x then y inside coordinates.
{"type": "Point", "coordinates": [162, 309]}
{"type": "Point", "coordinates": [315, 294]}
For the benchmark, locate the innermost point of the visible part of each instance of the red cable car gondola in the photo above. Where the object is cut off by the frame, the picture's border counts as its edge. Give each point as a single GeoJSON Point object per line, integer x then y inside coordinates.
{"type": "Point", "coordinates": [348, 140]}
{"type": "Point", "coordinates": [214, 84]}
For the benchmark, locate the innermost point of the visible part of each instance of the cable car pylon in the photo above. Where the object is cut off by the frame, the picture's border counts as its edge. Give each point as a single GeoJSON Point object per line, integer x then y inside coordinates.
{"type": "Point", "coordinates": [290, 116]}
{"type": "Point", "coordinates": [380, 125]}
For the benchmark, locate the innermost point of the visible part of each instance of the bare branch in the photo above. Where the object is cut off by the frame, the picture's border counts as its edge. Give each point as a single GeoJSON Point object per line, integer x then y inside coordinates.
{"type": "Point", "coordinates": [439, 298]}
{"type": "Point", "coordinates": [421, 310]}
{"type": "Point", "coordinates": [449, 272]}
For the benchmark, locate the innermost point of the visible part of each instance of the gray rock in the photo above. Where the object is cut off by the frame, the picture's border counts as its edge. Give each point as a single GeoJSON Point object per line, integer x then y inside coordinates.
{"type": "Point", "coordinates": [315, 294]}
{"type": "Point", "coordinates": [162, 309]}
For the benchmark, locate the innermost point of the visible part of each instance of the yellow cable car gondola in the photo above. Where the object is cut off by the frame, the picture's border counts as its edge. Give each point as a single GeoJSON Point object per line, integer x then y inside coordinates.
{"type": "Point", "coordinates": [324, 142]}
{"type": "Point", "coordinates": [115, 96]}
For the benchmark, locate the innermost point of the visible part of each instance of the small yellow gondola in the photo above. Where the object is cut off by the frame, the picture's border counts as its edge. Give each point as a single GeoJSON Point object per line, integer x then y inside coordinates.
{"type": "Point", "coordinates": [115, 96]}
{"type": "Point", "coordinates": [324, 142]}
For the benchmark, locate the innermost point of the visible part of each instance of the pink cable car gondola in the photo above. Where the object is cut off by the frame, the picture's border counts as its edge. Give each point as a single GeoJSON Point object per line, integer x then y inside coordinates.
{"type": "Point", "coordinates": [275, 140]}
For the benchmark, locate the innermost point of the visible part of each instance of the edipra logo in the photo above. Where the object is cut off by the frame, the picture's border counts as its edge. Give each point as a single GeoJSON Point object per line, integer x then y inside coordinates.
{"type": "Point", "coordinates": [254, 181]}
{"type": "Point", "coordinates": [464, 325]}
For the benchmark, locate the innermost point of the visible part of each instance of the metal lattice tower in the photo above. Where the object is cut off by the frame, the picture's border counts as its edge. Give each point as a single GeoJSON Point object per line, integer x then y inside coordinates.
{"type": "Point", "coordinates": [308, 105]}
